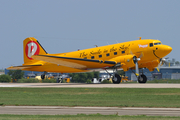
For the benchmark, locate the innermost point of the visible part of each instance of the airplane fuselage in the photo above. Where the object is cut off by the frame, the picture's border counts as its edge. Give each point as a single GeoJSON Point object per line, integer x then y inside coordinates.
{"type": "Point", "coordinates": [150, 51]}
{"type": "Point", "coordinates": [147, 51]}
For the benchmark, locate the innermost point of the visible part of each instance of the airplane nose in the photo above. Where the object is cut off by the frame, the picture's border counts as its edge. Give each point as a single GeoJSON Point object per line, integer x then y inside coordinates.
{"type": "Point", "coordinates": [162, 50]}
{"type": "Point", "coordinates": [167, 49]}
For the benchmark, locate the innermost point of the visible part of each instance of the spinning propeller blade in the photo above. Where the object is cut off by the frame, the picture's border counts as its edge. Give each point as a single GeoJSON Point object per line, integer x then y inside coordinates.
{"type": "Point", "coordinates": [162, 61]}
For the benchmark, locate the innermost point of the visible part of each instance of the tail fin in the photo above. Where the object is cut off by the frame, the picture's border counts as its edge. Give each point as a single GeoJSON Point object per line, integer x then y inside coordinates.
{"type": "Point", "coordinates": [32, 47]}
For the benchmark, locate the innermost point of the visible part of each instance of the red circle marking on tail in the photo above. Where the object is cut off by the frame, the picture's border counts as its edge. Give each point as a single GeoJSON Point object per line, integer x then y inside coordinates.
{"type": "Point", "coordinates": [32, 48]}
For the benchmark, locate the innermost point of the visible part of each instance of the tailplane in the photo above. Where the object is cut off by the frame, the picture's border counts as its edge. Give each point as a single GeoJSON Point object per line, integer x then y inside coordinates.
{"type": "Point", "coordinates": [32, 47]}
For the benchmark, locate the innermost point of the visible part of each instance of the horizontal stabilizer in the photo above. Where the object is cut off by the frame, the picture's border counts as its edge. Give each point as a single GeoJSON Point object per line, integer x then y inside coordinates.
{"type": "Point", "coordinates": [22, 67]}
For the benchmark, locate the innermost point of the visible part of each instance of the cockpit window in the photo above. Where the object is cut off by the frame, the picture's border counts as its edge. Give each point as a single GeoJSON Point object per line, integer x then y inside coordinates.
{"type": "Point", "coordinates": [157, 43]}
{"type": "Point", "coordinates": [150, 44]}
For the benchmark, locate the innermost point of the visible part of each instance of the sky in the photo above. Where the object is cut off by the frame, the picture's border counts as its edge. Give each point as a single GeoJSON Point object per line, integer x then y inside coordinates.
{"type": "Point", "coordinates": [68, 25]}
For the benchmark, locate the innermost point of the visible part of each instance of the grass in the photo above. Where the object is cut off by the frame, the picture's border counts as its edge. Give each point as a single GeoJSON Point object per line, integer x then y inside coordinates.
{"type": "Point", "coordinates": [85, 117]}
{"type": "Point", "coordinates": [164, 81]}
{"type": "Point", "coordinates": [111, 97]}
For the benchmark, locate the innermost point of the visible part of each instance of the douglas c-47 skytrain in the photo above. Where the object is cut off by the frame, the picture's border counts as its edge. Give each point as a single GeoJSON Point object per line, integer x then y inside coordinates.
{"type": "Point", "coordinates": [137, 54]}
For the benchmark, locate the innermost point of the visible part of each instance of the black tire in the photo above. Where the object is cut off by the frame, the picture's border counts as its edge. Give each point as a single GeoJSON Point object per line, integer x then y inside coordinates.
{"type": "Point", "coordinates": [116, 79]}
{"type": "Point", "coordinates": [100, 79]}
{"type": "Point", "coordinates": [142, 79]}
{"type": "Point", "coordinates": [42, 77]}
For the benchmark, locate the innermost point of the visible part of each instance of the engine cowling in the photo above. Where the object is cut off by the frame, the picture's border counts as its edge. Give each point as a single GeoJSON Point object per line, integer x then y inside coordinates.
{"type": "Point", "coordinates": [151, 65]}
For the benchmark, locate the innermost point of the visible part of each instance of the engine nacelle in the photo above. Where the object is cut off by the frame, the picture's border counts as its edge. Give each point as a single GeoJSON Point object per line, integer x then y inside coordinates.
{"type": "Point", "coordinates": [151, 65]}
{"type": "Point", "coordinates": [126, 61]}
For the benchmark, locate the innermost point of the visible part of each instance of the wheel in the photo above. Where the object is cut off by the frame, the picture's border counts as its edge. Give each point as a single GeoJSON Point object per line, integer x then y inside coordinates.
{"type": "Point", "coordinates": [116, 79]}
{"type": "Point", "coordinates": [42, 76]}
{"type": "Point", "coordinates": [100, 79]}
{"type": "Point", "coordinates": [142, 79]}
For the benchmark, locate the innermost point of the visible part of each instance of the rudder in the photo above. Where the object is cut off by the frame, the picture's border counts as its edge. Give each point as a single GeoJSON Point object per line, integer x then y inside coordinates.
{"type": "Point", "coordinates": [32, 47]}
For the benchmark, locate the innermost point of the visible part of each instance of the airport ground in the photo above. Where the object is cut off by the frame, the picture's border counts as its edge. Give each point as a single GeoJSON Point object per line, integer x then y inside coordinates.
{"type": "Point", "coordinates": [84, 85]}
{"type": "Point", "coordinates": [105, 99]}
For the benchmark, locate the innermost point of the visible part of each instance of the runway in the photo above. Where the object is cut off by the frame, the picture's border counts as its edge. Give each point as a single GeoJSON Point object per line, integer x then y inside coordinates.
{"type": "Point", "coordinates": [58, 110]}
{"type": "Point", "coordinates": [82, 85]}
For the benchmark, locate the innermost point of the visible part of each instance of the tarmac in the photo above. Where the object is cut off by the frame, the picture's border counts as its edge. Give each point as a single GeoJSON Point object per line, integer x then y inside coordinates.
{"type": "Point", "coordinates": [82, 85]}
{"type": "Point", "coordinates": [59, 110]}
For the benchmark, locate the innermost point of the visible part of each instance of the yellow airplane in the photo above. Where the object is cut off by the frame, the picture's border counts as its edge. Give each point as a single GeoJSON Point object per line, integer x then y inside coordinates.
{"type": "Point", "coordinates": [137, 54]}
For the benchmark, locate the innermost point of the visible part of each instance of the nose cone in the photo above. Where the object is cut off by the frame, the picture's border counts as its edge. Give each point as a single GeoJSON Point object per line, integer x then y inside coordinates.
{"type": "Point", "coordinates": [163, 50]}
{"type": "Point", "coordinates": [167, 49]}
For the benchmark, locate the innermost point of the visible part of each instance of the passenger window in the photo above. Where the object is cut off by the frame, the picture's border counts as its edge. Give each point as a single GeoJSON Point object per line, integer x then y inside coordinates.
{"type": "Point", "coordinates": [115, 53]}
{"type": "Point", "coordinates": [123, 52]}
{"type": "Point", "coordinates": [107, 54]}
{"type": "Point", "coordinates": [92, 57]}
{"type": "Point", "coordinates": [151, 45]}
{"type": "Point", "coordinates": [100, 56]}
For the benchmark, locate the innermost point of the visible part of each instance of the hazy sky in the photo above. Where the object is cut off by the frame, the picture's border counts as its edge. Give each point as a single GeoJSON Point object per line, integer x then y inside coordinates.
{"type": "Point", "coordinates": [68, 25]}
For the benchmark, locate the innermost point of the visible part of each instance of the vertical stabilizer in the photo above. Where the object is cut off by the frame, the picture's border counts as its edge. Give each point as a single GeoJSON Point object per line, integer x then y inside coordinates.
{"type": "Point", "coordinates": [32, 47]}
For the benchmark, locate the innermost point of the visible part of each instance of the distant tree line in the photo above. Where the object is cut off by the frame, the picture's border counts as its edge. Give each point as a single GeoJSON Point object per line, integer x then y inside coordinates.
{"type": "Point", "coordinates": [1, 70]}
{"type": "Point", "coordinates": [12, 75]}
{"type": "Point", "coordinates": [83, 77]}
{"type": "Point", "coordinates": [15, 75]}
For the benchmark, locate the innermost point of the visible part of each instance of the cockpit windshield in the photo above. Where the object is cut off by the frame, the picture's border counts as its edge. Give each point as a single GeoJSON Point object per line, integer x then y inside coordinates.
{"type": "Point", "coordinates": [157, 43]}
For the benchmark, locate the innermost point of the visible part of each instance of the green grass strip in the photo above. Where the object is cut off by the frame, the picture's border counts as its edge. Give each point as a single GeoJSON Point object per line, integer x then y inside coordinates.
{"type": "Point", "coordinates": [110, 97]}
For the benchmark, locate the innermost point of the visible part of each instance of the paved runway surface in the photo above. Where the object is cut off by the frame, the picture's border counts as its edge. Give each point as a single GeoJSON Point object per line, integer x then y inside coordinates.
{"type": "Point", "coordinates": [57, 110]}
{"type": "Point", "coordinates": [123, 85]}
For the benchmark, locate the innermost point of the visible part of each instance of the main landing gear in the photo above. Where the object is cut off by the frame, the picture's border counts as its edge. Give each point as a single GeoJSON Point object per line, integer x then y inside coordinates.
{"type": "Point", "coordinates": [142, 78]}
{"type": "Point", "coordinates": [116, 79]}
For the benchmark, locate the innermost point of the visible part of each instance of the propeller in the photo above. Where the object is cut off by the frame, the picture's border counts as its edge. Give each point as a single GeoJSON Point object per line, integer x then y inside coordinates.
{"type": "Point", "coordinates": [162, 61]}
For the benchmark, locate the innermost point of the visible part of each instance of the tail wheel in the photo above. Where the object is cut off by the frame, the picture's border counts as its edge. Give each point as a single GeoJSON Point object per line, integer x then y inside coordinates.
{"type": "Point", "coordinates": [116, 79]}
{"type": "Point", "coordinates": [42, 77]}
{"type": "Point", "coordinates": [142, 79]}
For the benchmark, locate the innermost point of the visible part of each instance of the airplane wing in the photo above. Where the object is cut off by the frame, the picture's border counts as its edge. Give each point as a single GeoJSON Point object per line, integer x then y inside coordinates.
{"type": "Point", "coordinates": [22, 67]}
{"type": "Point", "coordinates": [77, 63]}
